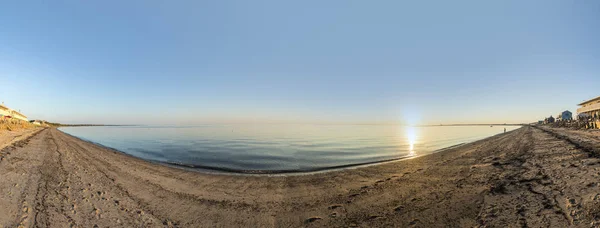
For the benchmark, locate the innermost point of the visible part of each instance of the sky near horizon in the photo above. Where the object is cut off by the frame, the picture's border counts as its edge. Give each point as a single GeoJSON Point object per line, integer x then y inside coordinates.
{"type": "Point", "coordinates": [192, 62]}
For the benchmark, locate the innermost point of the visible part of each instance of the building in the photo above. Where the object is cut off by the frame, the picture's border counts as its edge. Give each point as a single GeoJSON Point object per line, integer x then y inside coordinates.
{"type": "Point", "coordinates": [6, 112]}
{"type": "Point", "coordinates": [565, 115]}
{"type": "Point", "coordinates": [549, 120]}
{"type": "Point", "coordinates": [583, 116]}
{"type": "Point", "coordinates": [36, 122]}
{"type": "Point", "coordinates": [590, 107]}
{"type": "Point", "coordinates": [18, 115]}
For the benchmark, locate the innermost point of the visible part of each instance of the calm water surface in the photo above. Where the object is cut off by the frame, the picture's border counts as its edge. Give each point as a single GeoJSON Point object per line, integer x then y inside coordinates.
{"type": "Point", "coordinates": [280, 147]}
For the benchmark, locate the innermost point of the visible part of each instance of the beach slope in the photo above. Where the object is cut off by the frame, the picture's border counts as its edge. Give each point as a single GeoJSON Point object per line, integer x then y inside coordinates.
{"type": "Point", "coordinates": [527, 177]}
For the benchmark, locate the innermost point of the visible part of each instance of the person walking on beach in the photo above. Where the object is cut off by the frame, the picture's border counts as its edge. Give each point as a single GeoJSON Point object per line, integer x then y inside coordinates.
{"type": "Point", "coordinates": [504, 130]}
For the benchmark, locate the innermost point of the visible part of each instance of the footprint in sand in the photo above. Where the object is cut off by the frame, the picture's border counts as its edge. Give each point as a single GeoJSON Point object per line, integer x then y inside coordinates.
{"type": "Point", "coordinates": [334, 206]}
{"type": "Point", "coordinates": [374, 217]}
{"type": "Point", "coordinates": [414, 222]}
{"type": "Point", "coordinates": [351, 197]}
{"type": "Point", "coordinates": [24, 218]}
{"type": "Point", "coordinates": [399, 208]}
{"type": "Point", "coordinates": [313, 219]}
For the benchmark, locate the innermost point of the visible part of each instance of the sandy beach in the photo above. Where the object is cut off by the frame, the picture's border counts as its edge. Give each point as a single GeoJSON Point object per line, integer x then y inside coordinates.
{"type": "Point", "coordinates": [527, 177]}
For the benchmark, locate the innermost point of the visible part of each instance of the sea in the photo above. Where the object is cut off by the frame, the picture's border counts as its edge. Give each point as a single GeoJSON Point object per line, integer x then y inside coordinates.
{"type": "Point", "coordinates": [279, 148]}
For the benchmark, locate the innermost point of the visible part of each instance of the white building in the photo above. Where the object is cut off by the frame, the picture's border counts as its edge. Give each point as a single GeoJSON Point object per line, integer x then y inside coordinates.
{"type": "Point", "coordinates": [4, 111]}
{"type": "Point", "coordinates": [590, 107]}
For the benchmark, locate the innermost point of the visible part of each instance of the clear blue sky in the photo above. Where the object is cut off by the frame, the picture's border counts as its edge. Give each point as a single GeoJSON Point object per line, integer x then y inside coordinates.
{"type": "Point", "coordinates": [178, 62]}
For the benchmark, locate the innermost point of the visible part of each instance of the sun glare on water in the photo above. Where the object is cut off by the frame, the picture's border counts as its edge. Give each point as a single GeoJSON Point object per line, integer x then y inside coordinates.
{"type": "Point", "coordinates": [411, 137]}
{"type": "Point", "coordinates": [410, 118]}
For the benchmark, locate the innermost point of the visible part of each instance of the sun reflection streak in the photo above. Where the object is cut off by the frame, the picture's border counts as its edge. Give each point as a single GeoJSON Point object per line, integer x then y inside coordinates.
{"type": "Point", "coordinates": [411, 137]}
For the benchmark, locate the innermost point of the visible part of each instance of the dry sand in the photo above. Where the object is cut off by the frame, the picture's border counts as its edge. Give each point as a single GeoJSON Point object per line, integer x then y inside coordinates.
{"type": "Point", "coordinates": [527, 177]}
{"type": "Point", "coordinates": [9, 137]}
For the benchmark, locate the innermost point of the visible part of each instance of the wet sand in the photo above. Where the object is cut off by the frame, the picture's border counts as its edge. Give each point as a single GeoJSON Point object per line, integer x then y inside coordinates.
{"type": "Point", "coordinates": [527, 177]}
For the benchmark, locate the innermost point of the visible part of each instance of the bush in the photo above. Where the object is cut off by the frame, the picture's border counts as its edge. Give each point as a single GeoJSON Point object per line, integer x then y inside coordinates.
{"type": "Point", "coordinates": [14, 124]}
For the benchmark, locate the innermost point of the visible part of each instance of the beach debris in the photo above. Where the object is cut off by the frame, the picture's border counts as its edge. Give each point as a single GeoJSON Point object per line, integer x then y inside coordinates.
{"type": "Point", "coordinates": [572, 202]}
{"type": "Point", "coordinates": [169, 223]}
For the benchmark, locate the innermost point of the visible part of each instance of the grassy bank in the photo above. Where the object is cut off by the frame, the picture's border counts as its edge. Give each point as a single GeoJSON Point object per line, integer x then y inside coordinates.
{"type": "Point", "coordinates": [15, 124]}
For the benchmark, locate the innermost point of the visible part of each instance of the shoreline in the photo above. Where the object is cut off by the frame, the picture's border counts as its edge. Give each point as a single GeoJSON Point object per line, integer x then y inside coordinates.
{"type": "Point", "coordinates": [54, 179]}
{"type": "Point", "coordinates": [268, 173]}
{"type": "Point", "coordinates": [228, 171]}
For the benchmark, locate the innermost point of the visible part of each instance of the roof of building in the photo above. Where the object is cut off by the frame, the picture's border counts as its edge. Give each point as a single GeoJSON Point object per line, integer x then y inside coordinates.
{"type": "Point", "coordinates": [18, 113]}
{"type": "Point", "coordinates": [590, 100]}
{"type": "Point", "coordinates": [12, 111]}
